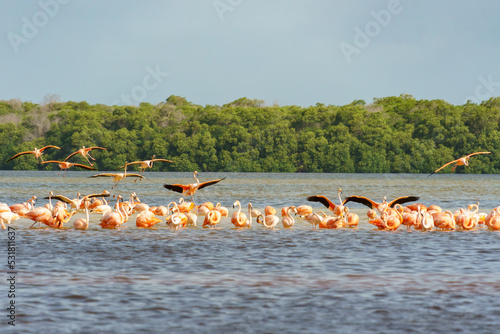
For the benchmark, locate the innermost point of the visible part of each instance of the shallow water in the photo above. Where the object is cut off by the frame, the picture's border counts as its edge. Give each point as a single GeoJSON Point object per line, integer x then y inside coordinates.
{"type": "Point", "coordinates": [256, 280]}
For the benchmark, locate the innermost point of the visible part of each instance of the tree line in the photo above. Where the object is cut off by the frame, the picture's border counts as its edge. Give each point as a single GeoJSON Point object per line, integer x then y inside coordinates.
{"type": "Point", "coordinates": [397, 134]}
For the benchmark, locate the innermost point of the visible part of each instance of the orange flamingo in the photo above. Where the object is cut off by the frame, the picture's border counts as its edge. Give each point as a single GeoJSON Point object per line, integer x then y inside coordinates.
{"type": "Point", "coordinates": [336, 209]}
{"type": "Point", "coordinates": [492, 220]}
{"type": "Point", "coordinates": [463, 161]}
{"type": "Point", "coordinates": [84, 152]}
{"type": "Point", "coordinates": [146, 219]}
{"type": "Point", "coordinates": [269, 221]}
{"type": "Point", "coordinates": [212, 218]}
{"type": "Point", "coordinates": [380, 207]}
{"type": "Point", "coordinates": [190, 189]}
{"type": "Point", "coordinates": [36, 152]}
{"type": "Point", "coordinates": [304, 210]}
{"type": "Point", "coordinates": [45, 216]}
{"type": "Point", "coordinates": [82, 223]}
{"type": "Point", "coordinates": [444, 220]}
{"type": "Point", "coordinates": [223, 210]}
{"type": "Point", "coordinates": [22, 208]}
{"type": "Point", "coordinates": [288, 220]}
{"type": "Point", "coordinates": [351, 218]}
{"type": "Point", "coordinates": [77, 202]}
{"type": "Point", "coordinates": [64, 165]}
{"type": "Point", "coordinates": [147, 163]}
{"type": "Point", "coordinates": [8, 217]}
{"type": "Point", "coordinates": [239, 219]}
{"type": "Point", "coordinates": [114, 218]}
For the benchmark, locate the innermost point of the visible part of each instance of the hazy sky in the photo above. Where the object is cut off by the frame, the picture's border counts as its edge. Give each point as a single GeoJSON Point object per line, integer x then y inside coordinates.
{"type": "Point", "coordinates": [290, 52]}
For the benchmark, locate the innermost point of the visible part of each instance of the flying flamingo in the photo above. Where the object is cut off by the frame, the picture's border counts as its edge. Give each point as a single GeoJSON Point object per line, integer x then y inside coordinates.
{"type": "Point", "coordinates": [64, 165]}
{"type": "Point", "coordinates": [463, 161]}
{"type": "Point", "coordinates": [381, 207]}
{"type": "Point", "coordinates": [117, 177]}
{"type": "Point", "coordinates": [147, 163]}
{"type": "Point", "coordinates": [84, 152]}
{"type": "Point", "coordinates": [190, 189]}
{"type": "Point", "coordinates": [36, 152]}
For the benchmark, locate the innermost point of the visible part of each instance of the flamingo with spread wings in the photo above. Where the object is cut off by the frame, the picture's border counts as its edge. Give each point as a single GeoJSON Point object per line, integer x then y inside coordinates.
{"type": "Point", "coordinates": [190, 189]}
{"type": "Point", "coordinates": [117, 177]}
{"type": "Point", "coordinates": [380, 207]}
{"type": "Point", "coordinates": [64, 165]}
{"type": "Point", "coordinates": [147, 163]}
{"type": "Point", "coordinates": [36, 152]}
{"type": "Point", "coordinates": [84, 152]}
{"type": "Point", "coordinates": [463, 161]}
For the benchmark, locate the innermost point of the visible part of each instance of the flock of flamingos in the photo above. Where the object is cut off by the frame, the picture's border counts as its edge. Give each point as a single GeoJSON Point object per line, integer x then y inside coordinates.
{"type": "Point", "coordinates": [385, 215]}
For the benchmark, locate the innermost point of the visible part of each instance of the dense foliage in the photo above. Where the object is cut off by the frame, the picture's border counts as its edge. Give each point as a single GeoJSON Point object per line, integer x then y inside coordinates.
{"type": "Point", "coordinates": [394, 134]}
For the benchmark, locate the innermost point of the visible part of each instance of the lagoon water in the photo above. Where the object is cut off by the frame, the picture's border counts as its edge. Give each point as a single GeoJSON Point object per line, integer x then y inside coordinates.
{"type": "Point", "coordinates": [227, 280]}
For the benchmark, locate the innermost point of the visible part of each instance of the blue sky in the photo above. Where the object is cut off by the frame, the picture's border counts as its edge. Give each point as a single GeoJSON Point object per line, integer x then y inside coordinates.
{"type": "Point", "coordinates": [215, 51]}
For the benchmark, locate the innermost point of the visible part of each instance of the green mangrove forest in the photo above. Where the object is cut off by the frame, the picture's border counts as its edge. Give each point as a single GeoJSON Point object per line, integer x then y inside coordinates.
{"type": "Point", "coordinates": [397, 134]}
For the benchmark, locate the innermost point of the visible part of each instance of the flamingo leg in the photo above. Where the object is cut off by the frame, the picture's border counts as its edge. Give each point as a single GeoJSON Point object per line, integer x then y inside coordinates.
{"type": "Point", "coordinates": [89, 160]}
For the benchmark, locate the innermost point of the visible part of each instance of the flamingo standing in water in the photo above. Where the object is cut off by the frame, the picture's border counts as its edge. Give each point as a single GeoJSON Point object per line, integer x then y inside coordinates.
{"type": "Point", "coordinates": [288, 220]}
{"type": "Point", "coordinates": [8, 217]}
{"type": "Point", "coordinates": [22, 208]}
{"type": "Point", "coordinates": [36, 152]}
{"type": "Point", "coordinates": [84, 152]}
{"type": "Point", "coordinates": [336, 209]}
{"type": "Point", "coordinates": [190, 189]}
{"type": "Point", "coordinates": [114, 218]}
{"type": "Point", "coordinates": [82, 223]}
{"type": "Point", "coordinates": [463, 161]}
{"type": "Point", "coordinates": [64, 165]}
{"type": "Point", "coordinates": [212, 218]}
{"type": "Point", "coordinates": [239, 219]}
{"type": "Point", "coordinates": [146, 219]}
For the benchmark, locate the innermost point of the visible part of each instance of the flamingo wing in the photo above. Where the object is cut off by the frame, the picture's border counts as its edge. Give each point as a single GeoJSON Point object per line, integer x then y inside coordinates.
{"type": "Point", "coordinates": [83, 166]}
{"type": "Point", "coordinates": [104, 174]}
{"type": "Point", "coordinates": [163, 160]}
{"type": "Point", "coordinates": [402, 200]}
{"type": "Point", "coordinates": [209, 183]}
{"type": "Point", "coordinates": [180, 188]}
{"type": "Point", "coordinates": [135, 175]}
{"type": "Point", "coordinates": [95, 148]}
{"type": "Point", "coordinates": [19, 154]}
{"type": "Point", "coordinates": [48, 146]}
{"type": "Point", "coordinates": [61, 198]}
{"type": "Point", "coordinates": [104, 194]}
{"type": "Point", "coordinates": [362, 200]}
{"type": "Point", "coordinates": [470, 155]}
{"type": "Point", "coordinates": [323, 200]}
{"type": "Point", "coordinates": [54, 161]}
{"type": "Point", "coordinates": [69, 156]}
{"type": "Point", "coordinates": [443, 166]}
